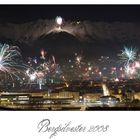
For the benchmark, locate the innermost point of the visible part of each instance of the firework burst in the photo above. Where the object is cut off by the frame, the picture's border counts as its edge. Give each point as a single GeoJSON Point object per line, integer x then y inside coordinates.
{"type": "Point", "coordinates": [8, 55]}
{"type": "Point", "coordinates": [128, 55]}
{"type": "Point", "coordinates": [10, 60]}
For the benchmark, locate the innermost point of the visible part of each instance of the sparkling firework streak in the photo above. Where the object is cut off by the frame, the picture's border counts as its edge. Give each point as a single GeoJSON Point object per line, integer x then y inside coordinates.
{"type": "Point", "coordinates": [128, 55]}
{"type": "Point", "coordinates": [42, 54]}
{"type": "Point", "coordinates": [78, 60]}
{"type": "Point", "coordinates": [40, 70]}
{"type": "Point", "coordinates": [48, 66]}
{"type": "Point", "coordinates": [8, 55]}
{"type": "Point", "coordinates": [11, 64]}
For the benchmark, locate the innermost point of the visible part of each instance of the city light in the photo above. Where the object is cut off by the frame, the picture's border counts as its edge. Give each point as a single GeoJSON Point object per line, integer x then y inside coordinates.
{"type": "Point", "coordinates": [105, 90]}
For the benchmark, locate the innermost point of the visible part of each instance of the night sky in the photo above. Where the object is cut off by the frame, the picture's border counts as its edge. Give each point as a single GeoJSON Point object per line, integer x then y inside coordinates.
{"type": "Point", "coordinates": [25, 13]}
{"type": "Point", "coordinates": [55, 44]}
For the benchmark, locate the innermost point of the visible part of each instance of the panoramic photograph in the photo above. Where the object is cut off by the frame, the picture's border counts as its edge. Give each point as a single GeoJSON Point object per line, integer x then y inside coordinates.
{"type": "Point", "coordinates": [69, 57]}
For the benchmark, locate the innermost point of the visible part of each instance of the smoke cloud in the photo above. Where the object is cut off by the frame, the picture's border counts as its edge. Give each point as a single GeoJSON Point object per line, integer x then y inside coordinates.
{"type": "Point", "coordinates": [83, 30]}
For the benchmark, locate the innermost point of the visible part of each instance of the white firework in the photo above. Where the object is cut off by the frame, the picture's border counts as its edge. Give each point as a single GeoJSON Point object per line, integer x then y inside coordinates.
{"type": "Point", "coordinates": [128, 55]}
{"type": "Point", "coordinates": [10, 61]}
{"type": "Point", "coordinates": [8, 57]}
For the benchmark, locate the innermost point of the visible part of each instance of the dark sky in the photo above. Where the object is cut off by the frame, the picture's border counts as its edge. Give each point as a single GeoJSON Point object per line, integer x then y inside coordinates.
{"type": "Point", "coordinates": [24, 13]}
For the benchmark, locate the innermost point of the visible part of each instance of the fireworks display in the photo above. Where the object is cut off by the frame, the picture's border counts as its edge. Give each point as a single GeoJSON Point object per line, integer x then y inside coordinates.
{"type": "Point", "coordinates": [128, 55]}
{"type": "Point", "coordinates": [44, 68]}
{"type": "Point", "coordinates": [78, 59]}
{"type": "Point", "coordinates": [9, 57]}
{"type": "Point", "coordinates": [130, 58]}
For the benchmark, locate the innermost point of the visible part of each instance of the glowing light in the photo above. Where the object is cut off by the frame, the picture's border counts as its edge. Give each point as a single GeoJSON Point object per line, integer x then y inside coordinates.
{"type": "Point", "coordinates": [78, 59]}
{"type": "Point", "coordinates": [67, 85]}
{"type": "Point", "coordinates": [100, 73]}
{"type": "Point", "coordinates": [130, 70]}
{"type": "Point", "coordinates": [33, 77]}
{"type": "Point", "coordinates": [89, 68]}
{"type": "Point", "coordinates": [59, 20]}
{"type": "Point", "coordinates": [105, 90]}
{"type": "Point", "coordinates": [116, 80]}
{"type": "Point", "coordinates": [0, 58]}
{"type": "Point", "coordinates": [27, 71]}
{"type": "Point", "coordinates": [8, 58]}
{"type": "Point", "coordinates": [42, 54]}
{"type": "Point", "coordinates": [137, 64]}
{"type": "Point", "coordinates": [128, 55]}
